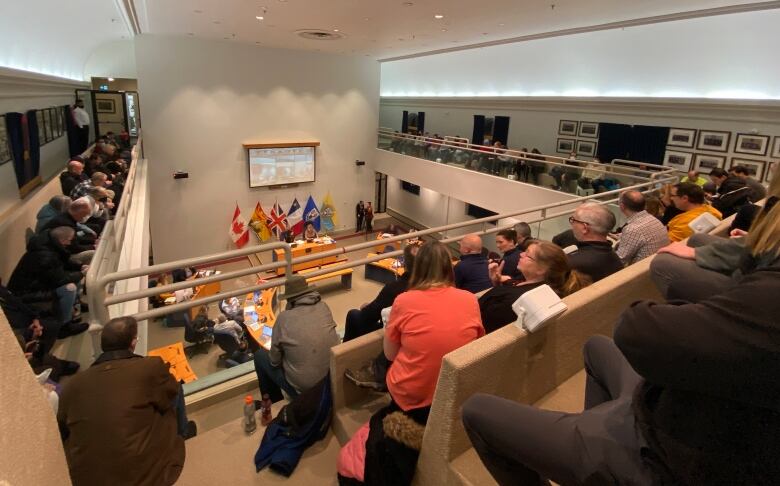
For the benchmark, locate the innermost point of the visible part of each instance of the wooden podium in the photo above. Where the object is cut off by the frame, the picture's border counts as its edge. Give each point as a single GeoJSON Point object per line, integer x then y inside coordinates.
{"type": "Point", "coordinates": [305, 249]}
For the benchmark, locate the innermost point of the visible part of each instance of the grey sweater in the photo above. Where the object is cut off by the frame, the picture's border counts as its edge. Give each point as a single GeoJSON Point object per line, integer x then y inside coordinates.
{"type": "Point", "coordinates": [302, 337]}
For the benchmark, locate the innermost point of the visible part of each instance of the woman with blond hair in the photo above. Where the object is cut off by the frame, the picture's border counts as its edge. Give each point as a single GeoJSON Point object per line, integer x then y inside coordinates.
{"type": "Point", "coordinates": [429, 320]}
{"type": "Point", "coordinates": [543, 263]}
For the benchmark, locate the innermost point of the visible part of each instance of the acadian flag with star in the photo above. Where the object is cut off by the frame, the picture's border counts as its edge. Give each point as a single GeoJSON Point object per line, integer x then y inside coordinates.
{"type": "Point", "coordinates": [328, 213]}
{"type": "Point", "coordinates": [258, 223]}
{"type": "Point", "coordinates": [312, 213]}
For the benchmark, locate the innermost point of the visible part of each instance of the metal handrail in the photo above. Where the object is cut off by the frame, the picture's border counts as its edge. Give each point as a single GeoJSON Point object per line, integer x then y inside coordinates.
{"type": "Point", "coordinates": [515, 154]}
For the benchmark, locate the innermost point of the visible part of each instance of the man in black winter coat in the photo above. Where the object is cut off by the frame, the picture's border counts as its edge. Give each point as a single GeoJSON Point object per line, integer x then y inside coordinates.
{"type": "Point", "coordinates": [368, 318]}
{"type": "Point", "coordinates": [38, 334]}
{"type": "Point", "coordinates": [46, 268]}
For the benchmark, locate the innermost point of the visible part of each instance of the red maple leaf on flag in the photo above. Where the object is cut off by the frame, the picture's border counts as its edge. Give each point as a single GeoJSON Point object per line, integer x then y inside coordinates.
{"type": "Point", "coordinates": [238, 227]}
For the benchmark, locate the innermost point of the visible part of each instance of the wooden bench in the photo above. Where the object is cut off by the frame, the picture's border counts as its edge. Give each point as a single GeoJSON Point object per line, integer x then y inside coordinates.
{"type": "Point", "coordinates": [345, 274]}
{"type": "Point", "coordinates": [540, 362]}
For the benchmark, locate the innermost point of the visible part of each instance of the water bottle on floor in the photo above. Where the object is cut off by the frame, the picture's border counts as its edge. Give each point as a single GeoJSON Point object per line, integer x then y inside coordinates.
{"type": "Point", "coordinates": [250, 424]}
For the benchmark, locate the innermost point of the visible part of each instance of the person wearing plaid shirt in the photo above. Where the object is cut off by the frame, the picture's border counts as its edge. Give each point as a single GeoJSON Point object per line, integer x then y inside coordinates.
{"type": "Point", "coordinates": [82, 189]}
{"type": "Point", "coordinates": [643, 234]}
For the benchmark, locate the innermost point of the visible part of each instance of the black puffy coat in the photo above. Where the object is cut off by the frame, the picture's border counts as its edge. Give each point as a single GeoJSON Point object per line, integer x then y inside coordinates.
{"type": "Point", "coordinates": [45, 266]}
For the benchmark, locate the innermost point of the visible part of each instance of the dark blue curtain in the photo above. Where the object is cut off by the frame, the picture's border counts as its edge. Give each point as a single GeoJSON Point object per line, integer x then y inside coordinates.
{"type": "Point", "coordinates": [478, 134]}
{"type": "Point", "coordinates": [421, 122]}
{"type": "Point", "coordinates": [405, 122]}
{"type": "Point", "coordinates": [648, 144]}
{"type": "Point", "coordinates": [33, 168]}
{"type": "Point", "coordinates": [13, 123]}
{"type": "Point", "coordinates": [614, 141]}
{"type": "Point", "coordinates": [501, 129]}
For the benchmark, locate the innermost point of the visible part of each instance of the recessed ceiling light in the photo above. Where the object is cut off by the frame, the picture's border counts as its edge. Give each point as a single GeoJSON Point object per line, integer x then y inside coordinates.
{"type": "Point", "coordinates": [500, 25]}
{"type": "Point", "coordinates": [438, 16]}
{"type": "Point", "coordinates": [258, 42]}
{"type": "Point", "coordinates": [407, 4]}
{"type": "Point", "coordinates": [259, 17]}
{"type": "Point", "coordinates": [484, 33]}
{"type": "Point", "coordinates": [190, 33]}
{"type": "Point", "coordinates": [110, 79]}
{"type": "Point", "coordinates": [198, 11]}
{"type": "Point", "coordinates": [335, 30]}
{"type": "Point", "coordinates": [366, 18]}
{"type": "Point", "coordinates": [444, 30]}
{"type": "Point", "coordinates": [217, 22]}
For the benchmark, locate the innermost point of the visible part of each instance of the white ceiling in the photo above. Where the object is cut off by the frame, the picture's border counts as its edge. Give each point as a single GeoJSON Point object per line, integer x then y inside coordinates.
{"type": "Point", "coordinates": [385, 29]}
{"type": "Point", "coordinates": [56, 37]}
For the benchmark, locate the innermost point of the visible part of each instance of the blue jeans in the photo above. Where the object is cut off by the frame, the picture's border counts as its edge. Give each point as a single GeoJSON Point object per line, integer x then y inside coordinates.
{"type": "Point", "coordinates": [66, 297]}
{"type": "Point", "coordinates": [271, 378]}
{"type": "Point", "coordinates": [181, 412]}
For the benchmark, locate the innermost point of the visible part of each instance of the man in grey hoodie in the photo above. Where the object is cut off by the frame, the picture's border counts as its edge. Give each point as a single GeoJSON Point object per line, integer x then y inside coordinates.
{"type": "Point", "coordinates": [300, 344]}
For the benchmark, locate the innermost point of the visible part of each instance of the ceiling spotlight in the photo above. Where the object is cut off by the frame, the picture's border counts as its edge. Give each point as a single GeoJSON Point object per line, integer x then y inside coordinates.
{"type": "Point", "coordinates": [366, 19]}
{"type": "Point", "coordinates": [438, 16]}
{"type": "Point", "coordinates": [259, 17]}
{"type": "Point", "coordinates": [110, 79]}
{"type": "Point", "coordinates": [444, 30]}
{"type": "Point", "coordinates": [407, 4]}
{"type": "Point", "coordinates": [335, 30]}
{"type": "Point", "coordinates": [500, 25]}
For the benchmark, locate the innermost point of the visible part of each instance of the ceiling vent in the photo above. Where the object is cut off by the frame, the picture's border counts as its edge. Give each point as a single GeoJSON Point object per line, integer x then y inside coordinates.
{"type": "Point", "coordinates": [317, 34]}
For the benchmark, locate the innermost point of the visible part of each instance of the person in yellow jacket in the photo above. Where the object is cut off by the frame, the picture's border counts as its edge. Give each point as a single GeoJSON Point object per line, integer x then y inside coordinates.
{"type": "Point", "coordinates": [689, 198]}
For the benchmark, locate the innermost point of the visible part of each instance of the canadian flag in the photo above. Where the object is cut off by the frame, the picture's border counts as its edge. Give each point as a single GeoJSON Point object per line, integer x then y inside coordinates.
{"type": "Point", "coordinates": [239, 231]}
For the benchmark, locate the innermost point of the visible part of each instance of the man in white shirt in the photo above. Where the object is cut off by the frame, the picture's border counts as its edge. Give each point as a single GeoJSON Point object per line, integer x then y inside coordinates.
{"type": "Point", "coordinates": [643, 234]}
{"type": "Point", "coordinates": [81, 117]}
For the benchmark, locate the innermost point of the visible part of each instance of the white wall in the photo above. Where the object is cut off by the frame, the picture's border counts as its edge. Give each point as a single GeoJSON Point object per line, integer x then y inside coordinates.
{"type": "Point", "coordinates": [728, 56]}
{"type": "Point", "coordinates": [534, 121]}
{"type": "Point", "coordinates": [203, 99]}
{"type": "Point", "coordinates": [490, 192]}
{"type": "Point", "coordinates": [114, 59]}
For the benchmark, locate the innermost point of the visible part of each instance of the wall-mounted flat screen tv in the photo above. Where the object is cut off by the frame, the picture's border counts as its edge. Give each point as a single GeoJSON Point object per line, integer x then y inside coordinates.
{"type": "Point", "coordinates": [274, 166]}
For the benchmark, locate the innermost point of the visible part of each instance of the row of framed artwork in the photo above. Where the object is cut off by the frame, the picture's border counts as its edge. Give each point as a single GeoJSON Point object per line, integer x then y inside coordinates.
{"type": "Point", "coordinates": [581, 147]}
{"type": "Point", "coordinates": [51, 126]}
{"type": "Point", "coordinates": [718, 141]}
{"type": "Point", "coordinates": [704, 163]}
{"type": "Point", "coordinates": [574, 128]}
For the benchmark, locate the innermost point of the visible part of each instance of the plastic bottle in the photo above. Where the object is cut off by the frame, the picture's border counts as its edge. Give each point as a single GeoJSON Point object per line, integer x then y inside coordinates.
{"type": "Point", "coordinates": [266, 415]}
{"type": "Point", "coordinates": [250, 424]}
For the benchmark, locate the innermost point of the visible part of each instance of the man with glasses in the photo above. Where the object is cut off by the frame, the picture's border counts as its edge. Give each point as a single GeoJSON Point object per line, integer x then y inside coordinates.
{"type": "Point", "coordinates": [688, 198]}
{"type": "Point", "coordinates": [591, 223]}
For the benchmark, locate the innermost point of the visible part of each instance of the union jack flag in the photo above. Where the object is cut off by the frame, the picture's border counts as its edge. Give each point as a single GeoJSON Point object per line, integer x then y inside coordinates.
{"type": "Point", "coordinates": [277, 221]}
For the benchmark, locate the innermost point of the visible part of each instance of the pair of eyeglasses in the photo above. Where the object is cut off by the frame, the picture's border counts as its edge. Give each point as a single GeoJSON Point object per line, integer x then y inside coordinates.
{"type": "Point", "coordinates": [527, 255]}
{"type": "Point", "coordinates": [572, 220]}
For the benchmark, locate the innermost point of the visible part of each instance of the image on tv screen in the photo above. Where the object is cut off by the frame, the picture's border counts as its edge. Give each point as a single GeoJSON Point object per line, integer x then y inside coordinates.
{"type": "Point", "coordinates": [280, 165]}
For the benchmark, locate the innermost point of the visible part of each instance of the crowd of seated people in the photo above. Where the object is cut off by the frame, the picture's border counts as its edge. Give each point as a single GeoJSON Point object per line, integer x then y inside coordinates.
{"type": "Point", "coordinates": [43, 297]}
{"type": "Point", "coordinates": [703, 415]}
{"type": "Point", "coordinates": [706, 413]}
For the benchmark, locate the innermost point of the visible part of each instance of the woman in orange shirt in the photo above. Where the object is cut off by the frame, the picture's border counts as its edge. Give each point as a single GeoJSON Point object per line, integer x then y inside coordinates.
{"type": "Point", "coordinates": [429, 320]}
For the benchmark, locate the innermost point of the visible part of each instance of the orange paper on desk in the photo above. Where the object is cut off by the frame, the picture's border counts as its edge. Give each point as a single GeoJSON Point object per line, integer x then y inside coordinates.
{"type": "Point", "coordinates": [179, 366]}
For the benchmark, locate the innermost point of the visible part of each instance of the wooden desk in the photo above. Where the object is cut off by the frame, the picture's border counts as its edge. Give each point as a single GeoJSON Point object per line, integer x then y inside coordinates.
{"type": "Point", "coordinates": [259, 319]}
{"type": "Point", "coordinates": [304, 249]}
{"type": "Point", "coordinates": [380, 248]}
{"type": "Point", "coordinates": [383, 271]}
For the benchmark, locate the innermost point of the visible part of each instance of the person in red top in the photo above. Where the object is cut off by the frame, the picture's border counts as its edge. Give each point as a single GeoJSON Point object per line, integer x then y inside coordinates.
{"type": "Point", "coordinates": [429, 320]}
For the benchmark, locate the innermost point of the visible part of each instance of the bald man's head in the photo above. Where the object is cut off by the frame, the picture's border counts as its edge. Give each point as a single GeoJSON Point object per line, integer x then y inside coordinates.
{"type": "Point", "coordinates": [632, 202]}
{"type": "Point", "coordinates": [80, 209]}
{"type": "Point", "coordinates": [75, 167]}
{"type": "Point", "coordinates": [471, 243]}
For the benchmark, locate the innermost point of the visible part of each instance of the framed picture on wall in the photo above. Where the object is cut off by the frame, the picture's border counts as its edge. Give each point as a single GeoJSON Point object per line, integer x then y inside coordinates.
{"type": "Point", "coordinates": [5, 148]}
{"type": "Point", "coordinates": [589, 129]}
{"type": "Point", "coordinates": [681, 137]}
{"type": "Point", "coordinates": [755, 167]}
{"type": "Point", "coordinates": [59, 111]}
{"type": "Point", "coordinates": [567, 127]}
{"type": "Point", "coordinates": [49, 126]}
{"type": "Point", "coordinates": [712, 140]}
{"type": "Point", "coordinates": [108, 106]}
{"type": "Point", "coordinates": [678, 160]}
{"type": "Point", "coordinates": [586, 147]}
{"type": "Point", "coordinates": [776, 148]}
{"type": "Point", "coordinates": [771, 171]}
{"type": "Point", "coordinates": [565, 145]}
{"type": "Point", "coordinates": [751, 144]}
{"type": "Point", "coordinates": [704, 163]}
{"type": "Point", "coordinates": [41, 126]}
